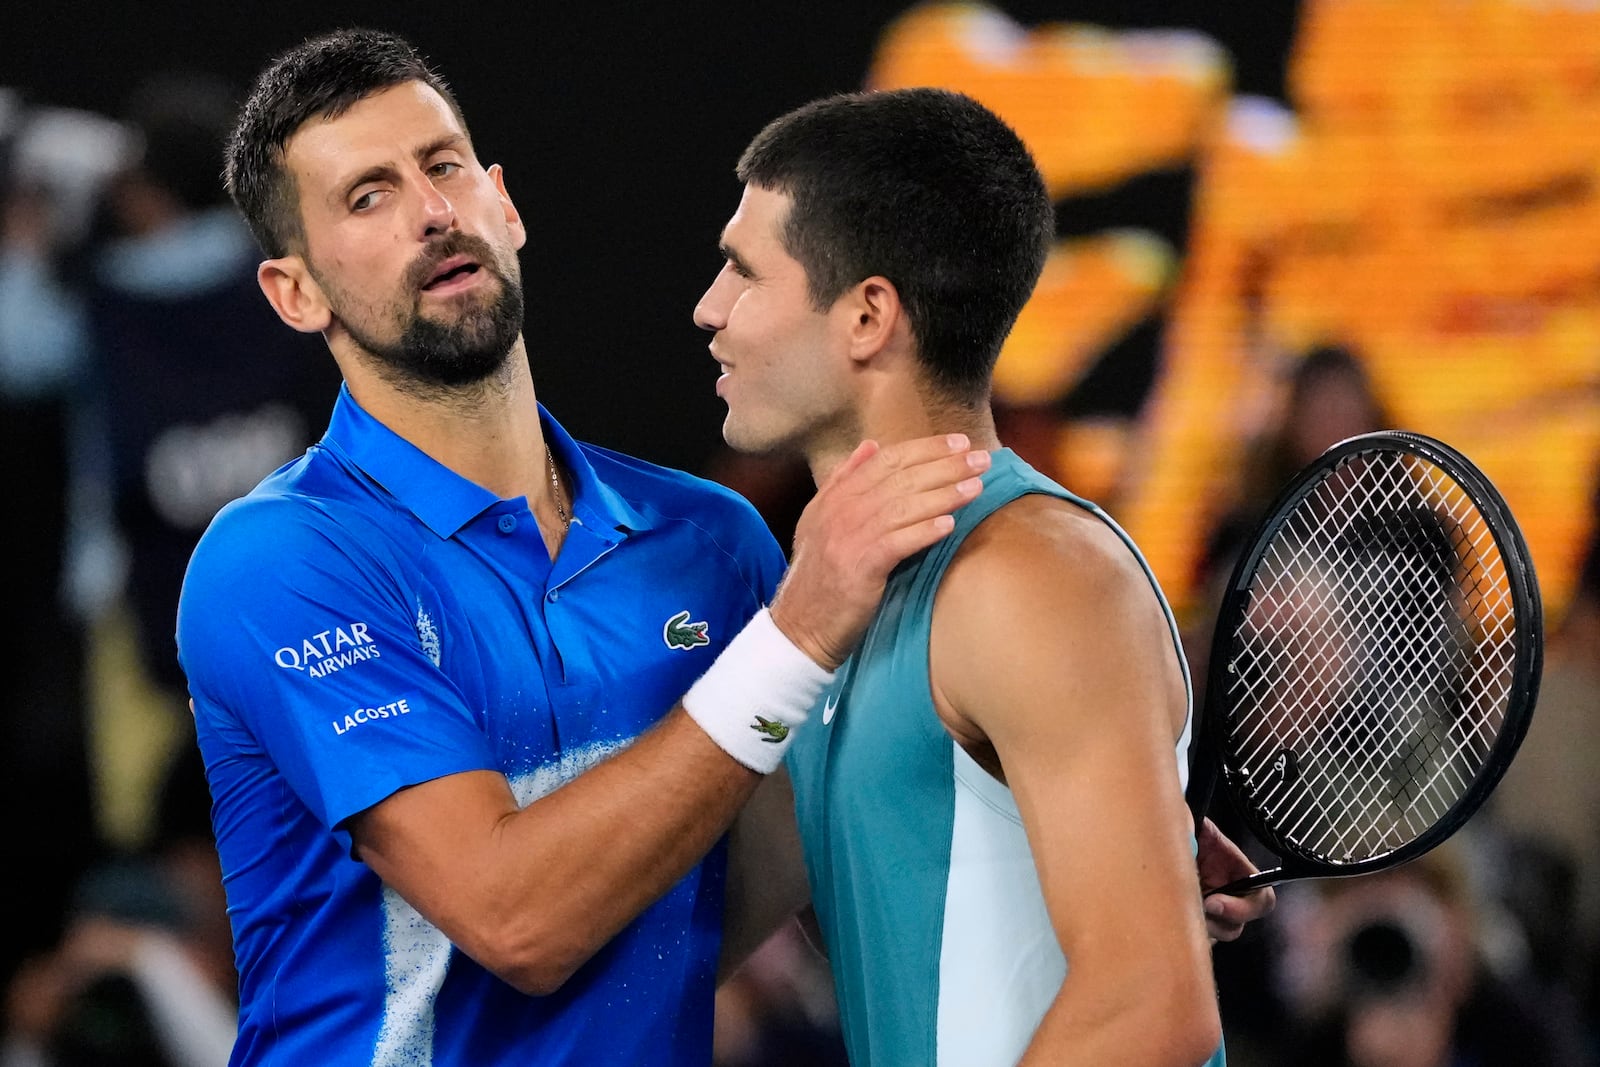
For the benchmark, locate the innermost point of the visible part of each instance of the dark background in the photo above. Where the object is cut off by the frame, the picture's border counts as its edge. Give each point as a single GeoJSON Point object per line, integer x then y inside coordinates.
{"type": "Point", "coordinates": [618, 125]}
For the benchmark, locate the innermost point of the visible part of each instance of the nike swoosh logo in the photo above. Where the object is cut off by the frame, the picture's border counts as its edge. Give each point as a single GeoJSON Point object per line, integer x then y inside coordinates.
{"type": "Point", "coordinates": [829, 707]}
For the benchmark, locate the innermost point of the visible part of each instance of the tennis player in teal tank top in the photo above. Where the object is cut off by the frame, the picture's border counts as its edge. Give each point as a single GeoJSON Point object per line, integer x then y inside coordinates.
{"type": "Point", "coordinates": [990, 794]}
{"type": "Point", "coordinates": [922, 879]}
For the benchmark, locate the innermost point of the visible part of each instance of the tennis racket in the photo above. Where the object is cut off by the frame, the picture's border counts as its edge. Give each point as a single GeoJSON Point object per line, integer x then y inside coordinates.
{"type": "Point", "coordinates": [1375, 661]}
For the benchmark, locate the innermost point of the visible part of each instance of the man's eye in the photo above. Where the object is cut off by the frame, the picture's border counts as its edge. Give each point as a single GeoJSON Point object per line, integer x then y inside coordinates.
{"type": "Point", "coordinates": [364, 201]}
{"type": "Point", "coordinates": [443, 168]}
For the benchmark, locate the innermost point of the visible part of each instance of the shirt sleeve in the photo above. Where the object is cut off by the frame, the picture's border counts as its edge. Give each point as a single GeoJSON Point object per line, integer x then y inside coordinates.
{"type": "Point", "coordinates": [299, 637]}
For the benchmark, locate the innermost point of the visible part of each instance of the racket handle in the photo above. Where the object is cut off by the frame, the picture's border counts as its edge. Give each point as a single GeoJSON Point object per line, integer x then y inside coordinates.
{"type": "Point", "coordinates": [1259, 880]}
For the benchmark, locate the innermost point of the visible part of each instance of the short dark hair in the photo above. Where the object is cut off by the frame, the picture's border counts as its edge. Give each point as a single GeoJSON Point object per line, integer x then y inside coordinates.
{"type": "Point", "coordinates": [322, 77]}
{"type": "Point", "coordinates": [928, 188]}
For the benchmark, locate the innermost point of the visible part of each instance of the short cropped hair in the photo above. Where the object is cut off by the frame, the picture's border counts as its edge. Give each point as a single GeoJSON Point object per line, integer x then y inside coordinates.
{"type": "Point", "coordinates": [322, 77]}
{"type": "Point", "coordinates": [927, 188]}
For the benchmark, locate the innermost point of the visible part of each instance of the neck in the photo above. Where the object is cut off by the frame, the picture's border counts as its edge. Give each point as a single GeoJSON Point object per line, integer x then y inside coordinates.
{"type": "Point", "coordinates": [488, 432]}
{"type": "Point", "coordinates": [889, 423]}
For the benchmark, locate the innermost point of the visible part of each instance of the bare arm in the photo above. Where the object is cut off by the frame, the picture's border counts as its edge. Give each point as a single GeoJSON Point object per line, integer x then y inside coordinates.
{"type": "Point", "coordinates": [1049, 646]}
{"type": "Point", "coordinates": [532, 893]}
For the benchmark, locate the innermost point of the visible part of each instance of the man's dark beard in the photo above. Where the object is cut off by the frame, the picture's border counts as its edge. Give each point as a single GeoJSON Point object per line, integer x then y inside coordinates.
{"type": "Point", "coordinates": [467, 350]}
{"type": "Point", "coordinates": [461, 352]}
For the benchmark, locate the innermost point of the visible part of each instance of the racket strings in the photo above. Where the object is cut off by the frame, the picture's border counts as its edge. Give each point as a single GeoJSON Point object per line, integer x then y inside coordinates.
{"type": "Point", "coordinates": [1373, 667]}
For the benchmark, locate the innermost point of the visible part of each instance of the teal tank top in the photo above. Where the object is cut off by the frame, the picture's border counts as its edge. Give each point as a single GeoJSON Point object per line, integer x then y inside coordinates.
{"type": "Point", "coordinates": [921, 877]}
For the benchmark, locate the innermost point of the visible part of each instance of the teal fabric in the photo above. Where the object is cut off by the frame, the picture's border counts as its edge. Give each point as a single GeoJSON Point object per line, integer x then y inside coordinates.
{"type": "Point", "coordinates": [875, 797]}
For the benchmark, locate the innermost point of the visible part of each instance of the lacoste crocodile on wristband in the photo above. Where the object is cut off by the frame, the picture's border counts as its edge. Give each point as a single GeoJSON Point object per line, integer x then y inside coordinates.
{"type": "Point", "coordinates": [756, 693]}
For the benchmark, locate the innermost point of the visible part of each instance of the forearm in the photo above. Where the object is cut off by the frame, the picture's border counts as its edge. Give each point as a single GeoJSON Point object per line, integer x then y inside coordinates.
{"type": "Point", "coordinates": [532, 892]}
{"type": "Point", "coordinates": [608, 845]}
{"type": "Point", "coordinates": [1163, 1023]}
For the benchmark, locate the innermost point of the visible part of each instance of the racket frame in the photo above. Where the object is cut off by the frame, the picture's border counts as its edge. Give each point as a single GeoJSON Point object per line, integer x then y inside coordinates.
{"type": "Point", "coordinates": [1207, 765]}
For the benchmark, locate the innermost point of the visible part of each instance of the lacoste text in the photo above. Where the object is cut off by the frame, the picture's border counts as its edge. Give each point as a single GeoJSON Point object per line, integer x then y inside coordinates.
{"type": "Point", "coordinates": [363, 715]}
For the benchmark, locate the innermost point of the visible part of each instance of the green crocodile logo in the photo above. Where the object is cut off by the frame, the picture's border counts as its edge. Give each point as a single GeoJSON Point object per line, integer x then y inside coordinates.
{"type": "Point", "coordinates": [772, 730]}
{"type": "Point", "coordinates": [680, 633]}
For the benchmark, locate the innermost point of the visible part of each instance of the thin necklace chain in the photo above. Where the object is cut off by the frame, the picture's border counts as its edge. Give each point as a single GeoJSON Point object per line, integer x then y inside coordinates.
{"type": "Point", "coordinates": [555, 491]}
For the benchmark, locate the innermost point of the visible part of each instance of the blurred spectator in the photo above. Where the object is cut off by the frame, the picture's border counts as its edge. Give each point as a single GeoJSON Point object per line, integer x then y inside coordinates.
{"type": "Point", "coordinates": [51, 162]}
{"type": "Point", "coordinates": [1326, 396]}
{"type": "Point", "coordinates": [778, 1009]}
{"type": "Point", "coordinates": [1548, 804]}
{"type": "Point", "coordinates": [1526, 991]}
{"type": "Point", "coordinates": [1390, 970]}
{"type": "Point", "coordinates": [202, 390]}
{"type": "Point", "coordinates": [129, 984]}
{"type": "Point", "coordinates": [159, 387]}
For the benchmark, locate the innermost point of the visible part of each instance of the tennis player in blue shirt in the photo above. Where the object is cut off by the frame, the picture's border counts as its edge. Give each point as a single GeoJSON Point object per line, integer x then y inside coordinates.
{"type": "Point", "coordinates": [478, 702]}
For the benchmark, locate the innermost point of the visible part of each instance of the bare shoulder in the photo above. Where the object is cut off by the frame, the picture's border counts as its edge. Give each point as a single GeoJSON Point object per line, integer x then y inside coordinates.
{"type": "Point", "coordinates": [1043, 546]}
{"type": "Point", "coordinates": [1045, 596]}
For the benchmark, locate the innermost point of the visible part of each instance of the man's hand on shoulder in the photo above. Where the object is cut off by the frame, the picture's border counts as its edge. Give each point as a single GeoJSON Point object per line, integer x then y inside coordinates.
{"type": "Point", "coordinates": [880, 505]}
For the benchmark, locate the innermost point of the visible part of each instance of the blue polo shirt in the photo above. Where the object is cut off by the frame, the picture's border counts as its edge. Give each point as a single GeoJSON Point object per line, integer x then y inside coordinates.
{"type": "Point", "coordinates": [366, 620]}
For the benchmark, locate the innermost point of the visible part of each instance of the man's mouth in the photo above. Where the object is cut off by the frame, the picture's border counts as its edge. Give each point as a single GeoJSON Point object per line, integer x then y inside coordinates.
{"type": "Point", "coordinates": [455, 272]}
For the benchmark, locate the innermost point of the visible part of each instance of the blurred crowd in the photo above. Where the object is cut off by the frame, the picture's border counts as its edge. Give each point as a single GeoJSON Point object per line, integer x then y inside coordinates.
{"type": "Point", "coordinates": [1481, 951]}
{"type": "Point", "coordinates": [144, 382]}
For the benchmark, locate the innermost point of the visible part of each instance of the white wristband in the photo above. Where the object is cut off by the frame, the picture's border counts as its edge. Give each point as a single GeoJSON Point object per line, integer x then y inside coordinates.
{"type": "Point", "coordinates": [759, 689]}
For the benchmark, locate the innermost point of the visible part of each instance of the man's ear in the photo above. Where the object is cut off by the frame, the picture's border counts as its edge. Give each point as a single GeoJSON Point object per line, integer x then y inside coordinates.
{"type": "Point", "coordinates": [876, 316]}
{"type": "Point", "coordinates": [294, 294]}
{"type": "Point", "coordinates": [519, 232]}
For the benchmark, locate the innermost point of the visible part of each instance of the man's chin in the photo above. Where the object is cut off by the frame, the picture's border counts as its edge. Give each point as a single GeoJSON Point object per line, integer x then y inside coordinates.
{"type": "Point", "coordinates": [751, 441]}
{"type": "Point", "coordinates": [448, 311]}
{"type": "Point", "coordinates": [474, 329]}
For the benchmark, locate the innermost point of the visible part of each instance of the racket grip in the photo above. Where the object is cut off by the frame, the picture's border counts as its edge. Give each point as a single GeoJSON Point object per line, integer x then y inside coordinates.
{"type": "Point", "coordinates": [1242, 886]}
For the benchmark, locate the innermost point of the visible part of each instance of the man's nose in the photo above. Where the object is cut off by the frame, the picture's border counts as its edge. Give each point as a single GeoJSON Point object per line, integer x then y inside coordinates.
{"type": "Point", "coordinates": [438, 214]}
{"type": "Point", "coordinates": [711, 312]}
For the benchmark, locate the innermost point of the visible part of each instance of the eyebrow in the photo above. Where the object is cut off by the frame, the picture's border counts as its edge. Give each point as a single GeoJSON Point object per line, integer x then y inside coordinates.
{"type": "Point", "coordinates": [734, 257]}
{"type": "Point", "coordinates": [342, 192]}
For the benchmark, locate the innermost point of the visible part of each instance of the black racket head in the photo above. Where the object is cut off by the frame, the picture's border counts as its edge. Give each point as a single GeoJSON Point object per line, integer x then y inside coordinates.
{"type": "Point", "coordinates": [1376, 659]}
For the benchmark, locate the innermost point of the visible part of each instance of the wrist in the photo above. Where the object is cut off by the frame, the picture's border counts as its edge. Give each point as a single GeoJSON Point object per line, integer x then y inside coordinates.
{"type": "Point", "coordinates": [759, 690]}
{"type": "Point", "coordinates": [790, 622]}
